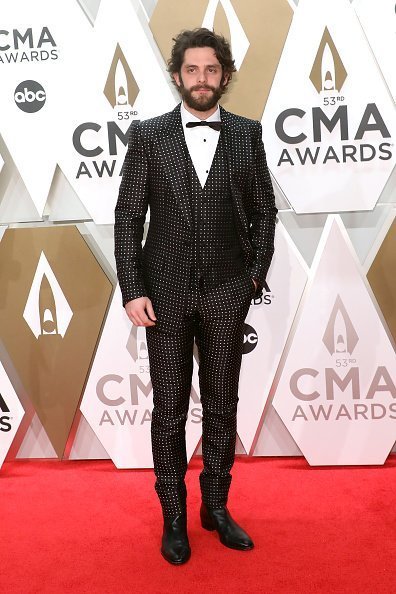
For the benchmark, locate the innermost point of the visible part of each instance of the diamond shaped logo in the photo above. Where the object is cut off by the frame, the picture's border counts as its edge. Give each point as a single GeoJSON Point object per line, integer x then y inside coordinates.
{"type": "Point", "coordinates": [47, 310]}
{"type": "Point", "coordinates": [256, 44]}
{"type": "Point", "coordinates": [340, 335]}
{"type": "Point", "coordinates": [221, 16]}
{"type": "Point", "coordinates": [55, 298]}
{"type": "Point", "coordinates": [136, 344]}
{"type": "Point", "coordinates": [328, 72]}
{"type": "Point", "coordinates": [121, 88]}
{"type": "Point", "coordinates": [335, 392]}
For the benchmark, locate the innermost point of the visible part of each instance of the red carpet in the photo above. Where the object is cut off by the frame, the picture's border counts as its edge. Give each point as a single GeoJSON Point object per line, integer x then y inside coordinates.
{"type": "Point", "coordinates": [85, 527]}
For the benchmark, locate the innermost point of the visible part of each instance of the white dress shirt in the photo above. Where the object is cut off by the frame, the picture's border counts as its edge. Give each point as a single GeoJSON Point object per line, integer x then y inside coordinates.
{"type": "Point", "coordinates": [201, 142]}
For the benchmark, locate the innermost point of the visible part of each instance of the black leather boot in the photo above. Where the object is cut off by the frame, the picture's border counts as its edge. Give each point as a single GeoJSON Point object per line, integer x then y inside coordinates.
{"type": "Point", "coordinates": [231, 535]}
{"type": "Point", "coordinates": [175, 546]}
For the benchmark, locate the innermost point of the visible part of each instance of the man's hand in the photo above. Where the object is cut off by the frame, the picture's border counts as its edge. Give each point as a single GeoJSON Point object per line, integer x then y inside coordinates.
{"type": "Point", "coordinates": [140, 312]}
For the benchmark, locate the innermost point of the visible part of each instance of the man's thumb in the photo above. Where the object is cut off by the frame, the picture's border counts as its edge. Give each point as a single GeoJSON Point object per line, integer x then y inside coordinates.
{"type": "Point", "coordinates": [150, 311]}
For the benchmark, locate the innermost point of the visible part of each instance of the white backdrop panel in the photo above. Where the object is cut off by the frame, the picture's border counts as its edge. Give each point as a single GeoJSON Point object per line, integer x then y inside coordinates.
{"type": "Point", "coordinates": [42, 44]}
{"type": "Point", "coordinates": [378, 20]}
{"type": "Point", "coordinates": [336, 391]}
{"type": "Point", "coordinates": [118, 398]}
{"type": "Point", "coordinates": [266, 330]}
{"type": "Point", "coordinates": [11, 414]}
{"type": "Point", "coordinates": [329, 120]}
{"type": "Point", "coordinates": [126, 84]}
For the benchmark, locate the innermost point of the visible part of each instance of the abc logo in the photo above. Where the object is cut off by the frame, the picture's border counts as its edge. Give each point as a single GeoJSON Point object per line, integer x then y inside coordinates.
{"type": "Point", "coordinates": [29, 96]}
{"type": "Point", "coordinates": [250, 339]}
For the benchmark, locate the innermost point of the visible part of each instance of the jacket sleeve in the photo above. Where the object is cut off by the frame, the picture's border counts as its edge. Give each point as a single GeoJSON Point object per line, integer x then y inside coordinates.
{"type": "Point", "coordinates": [262, 214]}
{"type": "Point", "coordinates": [130, 214]}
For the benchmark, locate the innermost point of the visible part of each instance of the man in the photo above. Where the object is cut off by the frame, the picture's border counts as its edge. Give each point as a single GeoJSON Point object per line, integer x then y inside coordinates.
{"type": "Point", "coordinates": [209, 245]}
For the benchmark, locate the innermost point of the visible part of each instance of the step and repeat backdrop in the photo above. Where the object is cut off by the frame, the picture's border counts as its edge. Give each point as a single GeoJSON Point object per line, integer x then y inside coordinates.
{"type": "Point", "coordinates": [318, 376]}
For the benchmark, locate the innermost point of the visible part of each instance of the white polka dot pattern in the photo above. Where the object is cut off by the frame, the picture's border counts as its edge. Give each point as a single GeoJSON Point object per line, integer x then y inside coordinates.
{"type": "Point", "coordinates": [219, 341]}
{"type": "Point", "coordinates": [203, 247]}
{"type": "Point", "coordinates": [156, 173]}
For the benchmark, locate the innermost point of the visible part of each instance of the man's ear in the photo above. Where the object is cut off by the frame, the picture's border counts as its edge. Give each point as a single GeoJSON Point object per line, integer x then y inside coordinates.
{"type": "Point", "coordinates": [176, 78]}
{"type": "Point", "coordinates": [225, 80]}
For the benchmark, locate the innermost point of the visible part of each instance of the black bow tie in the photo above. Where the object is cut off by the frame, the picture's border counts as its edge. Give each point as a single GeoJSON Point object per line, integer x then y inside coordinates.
{"type": "Point", "coordinates": [214, 125]}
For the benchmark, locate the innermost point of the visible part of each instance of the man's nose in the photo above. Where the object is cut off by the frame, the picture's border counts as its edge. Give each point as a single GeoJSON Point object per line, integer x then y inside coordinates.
{"type": "Point", "coordinates": [202, 76]}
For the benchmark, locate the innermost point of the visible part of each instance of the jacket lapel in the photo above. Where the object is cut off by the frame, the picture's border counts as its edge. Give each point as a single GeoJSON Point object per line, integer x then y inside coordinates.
{"type": "Point", "coordinates": [174, 153]}
{"type": "Point", "coordinates": [231, 138]}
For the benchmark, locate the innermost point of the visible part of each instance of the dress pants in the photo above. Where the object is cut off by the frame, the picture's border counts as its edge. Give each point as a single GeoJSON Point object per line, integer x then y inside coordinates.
{"type": "Point", "coordinates": [215, 320]}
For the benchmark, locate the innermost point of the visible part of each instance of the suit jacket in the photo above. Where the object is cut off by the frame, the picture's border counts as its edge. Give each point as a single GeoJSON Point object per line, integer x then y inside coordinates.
{"type": "Point", "coordinates": [155, 175]}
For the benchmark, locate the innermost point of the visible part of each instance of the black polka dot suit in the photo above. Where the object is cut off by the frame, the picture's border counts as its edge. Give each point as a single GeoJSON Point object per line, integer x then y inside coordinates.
{"type": "Point", "coordinates": [203, 248]}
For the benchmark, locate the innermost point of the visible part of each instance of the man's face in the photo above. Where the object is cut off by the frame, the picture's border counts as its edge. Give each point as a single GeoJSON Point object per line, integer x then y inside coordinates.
{"type": "Point", "coordinates": [200, 81]}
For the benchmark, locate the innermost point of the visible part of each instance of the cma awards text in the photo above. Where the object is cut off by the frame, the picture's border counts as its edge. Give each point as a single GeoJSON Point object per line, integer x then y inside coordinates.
{"type": "Point", "coordinates": [5, 424]}
{"type": "Point", "coordinates": [137, 412]}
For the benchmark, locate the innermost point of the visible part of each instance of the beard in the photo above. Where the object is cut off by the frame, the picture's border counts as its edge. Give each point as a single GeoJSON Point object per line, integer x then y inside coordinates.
{"type": "Point", "coordinates": [202, 102]}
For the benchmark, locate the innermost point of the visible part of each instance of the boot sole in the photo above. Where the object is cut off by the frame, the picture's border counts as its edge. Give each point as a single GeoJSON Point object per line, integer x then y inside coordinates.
{"type": "Point", "coordinates": [236, 548]}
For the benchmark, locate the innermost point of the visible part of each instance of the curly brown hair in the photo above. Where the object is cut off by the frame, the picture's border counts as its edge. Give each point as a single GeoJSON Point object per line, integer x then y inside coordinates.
{"type": "Point", "coordinates": [201, 37]}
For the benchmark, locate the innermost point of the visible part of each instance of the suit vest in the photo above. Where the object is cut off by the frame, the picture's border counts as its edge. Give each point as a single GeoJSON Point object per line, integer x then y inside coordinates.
{"type": "Point", "coordinates": [216, 250]}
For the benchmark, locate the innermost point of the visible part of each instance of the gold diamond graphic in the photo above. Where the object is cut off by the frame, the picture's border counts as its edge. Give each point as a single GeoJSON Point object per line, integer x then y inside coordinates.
{"type": "Point", "coordinates": [221, 24]}
{"type": "Point", "coordinates": [121, 88]}
{"type": "Point", "coordinates": [50, 342]}
{"type": "Point", "coordinates": [252, 82]}
{"type": "Point", "coordinates": [328, 72]}
{"type": "Point", "coordinates": [382, 278]}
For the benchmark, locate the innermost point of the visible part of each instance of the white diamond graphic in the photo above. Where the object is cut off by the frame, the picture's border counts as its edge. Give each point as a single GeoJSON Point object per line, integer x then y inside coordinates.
{"type": "Point", "coordinates": [339, 407]}
{"type": "Point", "coordinates": [239, 41]}
{"type": "Point", "coordinates": [47, 310]}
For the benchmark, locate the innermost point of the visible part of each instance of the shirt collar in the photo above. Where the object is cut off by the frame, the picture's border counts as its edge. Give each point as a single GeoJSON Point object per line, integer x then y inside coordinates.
{"type": "Point", "coordinates": [186, 116]}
